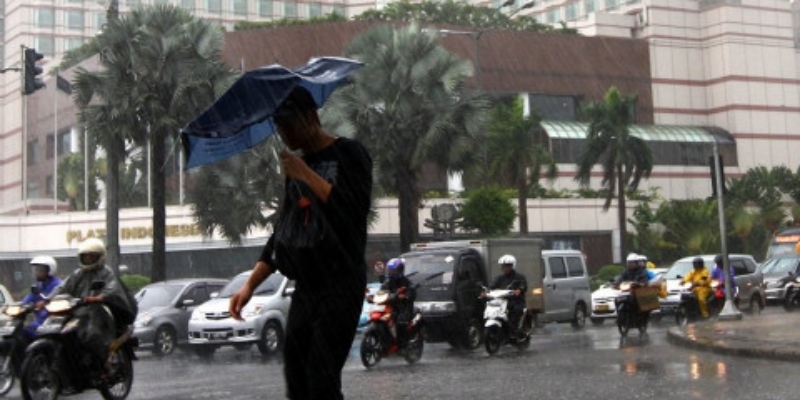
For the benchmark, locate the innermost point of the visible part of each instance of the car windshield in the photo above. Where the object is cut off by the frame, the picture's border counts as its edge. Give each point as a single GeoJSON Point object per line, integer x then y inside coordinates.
{"type": "Point", "coordinates": [269, 286]}
{"type": "Point", "coordinates": [157, 296]}
{"type": "Point", "coordinates": [430, 268]}
{"type": "Point", "coordinates": [680, 269]}
{"type": "Point", "coordinates": [781, 266]}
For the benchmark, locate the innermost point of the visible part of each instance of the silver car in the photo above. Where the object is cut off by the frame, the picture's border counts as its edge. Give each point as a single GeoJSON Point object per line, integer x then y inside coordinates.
{"type": "Point", "coordinates": [774, 270]}
{"type": "Point", "coordinates": [164, 310]}
{"type": "Point", "coordinates": [212, 326]}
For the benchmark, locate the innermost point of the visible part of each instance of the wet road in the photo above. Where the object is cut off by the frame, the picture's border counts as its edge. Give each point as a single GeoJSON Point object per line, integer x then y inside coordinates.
{"type": "Point", "coordinates": [560, 364]}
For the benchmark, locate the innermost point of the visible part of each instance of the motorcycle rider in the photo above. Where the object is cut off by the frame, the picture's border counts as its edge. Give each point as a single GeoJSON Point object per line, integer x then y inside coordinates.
{"type": "Point", "coordinates": [44, 271]}
{"type": "Point", "coordinates": [98, 328]}
{"type": "Point", "coordinates": [511, 279]}
{"type": "Point", "coordinates": [636, 271]}
{"type": "Point", "coordinates": [401, 299]}
{"type": "Point", "coordinates": [701, 284]}
{"type": "Point", "coordinates": [718, 274]}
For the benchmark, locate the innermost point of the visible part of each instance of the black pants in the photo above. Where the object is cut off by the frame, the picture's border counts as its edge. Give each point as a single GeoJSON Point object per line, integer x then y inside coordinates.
{"type": "Point", "coordinates": [319, 333]}
{"type": "Point", "coordinates": [514, 314]}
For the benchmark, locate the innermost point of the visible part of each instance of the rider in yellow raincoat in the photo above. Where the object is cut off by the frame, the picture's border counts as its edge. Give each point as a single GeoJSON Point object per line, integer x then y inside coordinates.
{"type": "Point", "coordinates": [701, 284]}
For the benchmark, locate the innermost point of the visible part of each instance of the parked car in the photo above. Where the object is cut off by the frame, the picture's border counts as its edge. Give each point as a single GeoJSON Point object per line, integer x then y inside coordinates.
{"type": "Point", "coordinates": [165, 308]}
{"type": "Point", "coordinates": [749, 280]}
{"type": "Point", "coordinates": [212, 326]}
{"type": "Point", "coordinates": [566, 288]}
{"type": "Point", "coordinates": [372, 288]}
{"type": "Point", "coordinates": [5, 296]}
{"type": "Point", "coordinates": [773, 270]}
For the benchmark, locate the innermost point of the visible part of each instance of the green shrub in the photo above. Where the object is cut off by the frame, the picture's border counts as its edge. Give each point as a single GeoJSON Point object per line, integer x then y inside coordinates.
{"type": "Point", "coordinates": [606, 273]}
{"type": "Point", "coordinates": [135, 282]}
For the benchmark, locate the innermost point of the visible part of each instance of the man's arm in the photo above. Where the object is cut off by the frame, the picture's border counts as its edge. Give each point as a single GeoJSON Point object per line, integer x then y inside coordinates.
{"type": "Point", "coordinates": [261, 271]}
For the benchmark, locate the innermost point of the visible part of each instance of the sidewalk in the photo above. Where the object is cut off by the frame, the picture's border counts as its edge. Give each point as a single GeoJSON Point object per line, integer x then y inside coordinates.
{"type": "Point", "coordinates": [775, 336]}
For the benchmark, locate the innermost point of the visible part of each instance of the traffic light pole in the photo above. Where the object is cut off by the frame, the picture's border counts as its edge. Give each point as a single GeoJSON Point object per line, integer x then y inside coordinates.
{"type": "Point", "coordinates": [729, 311]}
{"type": "Point", "coordinates": [24, 121]}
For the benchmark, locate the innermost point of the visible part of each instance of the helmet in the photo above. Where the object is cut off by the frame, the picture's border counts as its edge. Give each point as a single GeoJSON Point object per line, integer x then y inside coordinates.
{"type": "Point", "coordinates": [395, 268]}
{"type": "Point", "coordinates": [632, 257]}
{"type": "Point", "coordinates": [718, 259]}
{"type": "Point", "coordinates": [508, 259]}
{"type": "Point", "coordinates": [697, 262]}
{"type": "Point", "coordinates": [91, 253]}
{"type": "Point", "coordinates": [45, 261]}
{"type": "Point", "coordinates": [642, 260]}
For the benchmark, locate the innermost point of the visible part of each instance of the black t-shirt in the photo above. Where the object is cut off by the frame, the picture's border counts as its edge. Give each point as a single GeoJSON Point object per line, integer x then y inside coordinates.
{"type": "Point", "coordinates": [514, 280]}
{"type": "Point", "coordinates": [347, 166]}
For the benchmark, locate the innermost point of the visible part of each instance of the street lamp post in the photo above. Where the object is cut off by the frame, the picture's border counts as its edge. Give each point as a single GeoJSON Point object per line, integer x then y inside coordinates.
{"type": "Point", "coordinates": [729, 311]}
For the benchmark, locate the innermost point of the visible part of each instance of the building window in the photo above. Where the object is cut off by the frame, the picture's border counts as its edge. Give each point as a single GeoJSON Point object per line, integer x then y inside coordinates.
{"type": "Point", "coordinates": [188, 4]}
{"type": "Point", "coordinates": [64, 143]}
{"type": "Point", "coordinates": [45, 45]}
{"type": "Point", "coordinates": [75, 19]}
{"type": "Point", "coordinates": [315, 10]}
{"type": "Point", "coordinates": [554, 107]}
{"type": "Point", "coordinates": [45, 18]}
{"type": "Point", "coordinates": [571, 12]}
{"type": "Point", "coordinates": [33, 190]}
{"type": "Point", "coordinates": [588, 6]}
{"type": "Point", "coordinates": [612, 5]}
{"type": "Point", "coordinates": [100, 21]}
{"type": "Point", "coordinates": [265, 8]}
{"type": "Point", "coordinates": [50, 184]}
{"type": "Point", "coordinates": [134, 3]}
{"type": "Point", "coordinates": [214, 6]}
{"type": "Point", "coordinates": [33, 152]}
{"type": "Point", "coordinates": [239, 7]}
{"type": "Point", "coordinates": [290, 9]}
{"type": "Point", "coordinates": [72, 43]}
{"type": "Point", "coordinates": [552, 16]}
{"type": "Point", "coordinates": [339, 10]}
{"type": "Point", "coordinates": [160, 2]}
{"type": "Point", "coordinates": [51, 146]}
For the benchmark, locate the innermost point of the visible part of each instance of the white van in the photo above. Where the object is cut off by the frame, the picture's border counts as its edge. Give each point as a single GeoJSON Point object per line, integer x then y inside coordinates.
{"type": "Point", "coordinates": [565, 285]}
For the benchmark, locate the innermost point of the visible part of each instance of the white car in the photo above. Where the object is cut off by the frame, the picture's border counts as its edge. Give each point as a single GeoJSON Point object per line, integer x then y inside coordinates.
{"type": "Point", "coordinates": [603, 304]}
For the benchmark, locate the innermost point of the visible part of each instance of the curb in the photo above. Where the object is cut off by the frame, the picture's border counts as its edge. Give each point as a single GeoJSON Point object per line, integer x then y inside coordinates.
{"type": "Point", "coordinates": [677, 336]}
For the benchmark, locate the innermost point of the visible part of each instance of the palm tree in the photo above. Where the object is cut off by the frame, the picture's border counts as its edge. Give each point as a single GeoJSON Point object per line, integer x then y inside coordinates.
{"type": "Point", "coordinates": [161, 66]}
{"type": "Point", "coordinates": [625, 158]}
{"type": "Point", "coordinates": [519, 153]}
{"type": "Point", "coordinates": [408, 107]}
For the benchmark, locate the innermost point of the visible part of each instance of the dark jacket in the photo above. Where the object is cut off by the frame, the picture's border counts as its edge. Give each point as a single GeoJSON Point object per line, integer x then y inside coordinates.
{"type": "Point", "coordinates": [403, 309]}
{"type": "Point", "coordinates": [514, 280]}
{"type": "Point", "coordinates": [638, 275]}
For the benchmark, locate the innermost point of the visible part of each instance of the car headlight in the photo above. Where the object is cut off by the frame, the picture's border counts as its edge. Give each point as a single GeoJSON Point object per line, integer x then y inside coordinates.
{"type": "Point", "coordinates": [257, 309]}
{"type": "Point", "coordinates": [143, 321]}
{"type": "Point", "coordinates": [197, 316]}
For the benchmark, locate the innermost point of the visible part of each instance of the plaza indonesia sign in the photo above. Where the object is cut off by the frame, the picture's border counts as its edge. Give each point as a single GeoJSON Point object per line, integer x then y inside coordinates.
{"type": "Point", "coordinates": [134, 233]}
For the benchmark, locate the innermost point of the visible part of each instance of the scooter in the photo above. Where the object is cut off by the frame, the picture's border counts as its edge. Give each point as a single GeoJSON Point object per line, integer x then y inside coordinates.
{"type": "Point", "coordinates": [57, 362]}
{"type": "Point", "coordinates": [13, 344]}
{"type": "Point", "coordinates": [379, 341]}
{"type": "Point", "coordinates": [630, 314]}
{"type": "Point", "coordinates": [689, 308]}
{"type": "Point", "coordinates": [497, 330]}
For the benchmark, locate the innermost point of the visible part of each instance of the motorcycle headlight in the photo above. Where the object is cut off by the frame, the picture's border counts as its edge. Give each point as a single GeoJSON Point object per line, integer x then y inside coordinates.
{"type": "Point", "coordinates": [13, 310]}
{"type": "Point", "coordinates": [144, 320]}
{"type": "Point", "coordinates": [58, 306]}
{"type": "Point", "coordinates": [625, 286]}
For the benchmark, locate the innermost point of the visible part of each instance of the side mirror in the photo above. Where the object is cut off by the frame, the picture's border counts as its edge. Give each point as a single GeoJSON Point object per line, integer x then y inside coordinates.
{"type": "Point", "coordinates": [187, 302]}
{"type": "Point", "coordinates": [288, 291]}
{"type": "Point", "coordinates": [214, 295]}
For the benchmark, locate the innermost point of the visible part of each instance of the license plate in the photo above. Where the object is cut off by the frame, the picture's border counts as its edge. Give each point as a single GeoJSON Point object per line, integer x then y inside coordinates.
{"type": "Point", "coordinates": [602, 307]}
{"type": "Point", "coordinates": [218, 336]}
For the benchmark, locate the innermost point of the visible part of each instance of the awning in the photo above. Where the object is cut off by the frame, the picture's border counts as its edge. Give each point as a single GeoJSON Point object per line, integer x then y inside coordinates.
{"type": "Point", "coordinates": [650, 133]}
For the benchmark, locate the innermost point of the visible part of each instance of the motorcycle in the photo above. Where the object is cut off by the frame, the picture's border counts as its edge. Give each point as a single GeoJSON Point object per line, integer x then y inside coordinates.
{"type": "Point", "coordinates": [791, 298]}
{"type": "Point", "coordinates": [13, 344]}
{"type": "Point", "coordinates": [632, 313]}
{"type": "Point", "coordinates": [689, 308]}
{"type": "Point", "coordinates": [57, 362]}
{"type": "Point", "coordinates": [497, 330]}
{"type": "Point", "coordinates": [379, 341]}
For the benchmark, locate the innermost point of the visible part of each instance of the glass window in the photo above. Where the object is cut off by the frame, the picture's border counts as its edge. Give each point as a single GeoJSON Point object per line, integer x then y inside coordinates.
{"type": "Point", "coordinates": [571, 11]}
{"type": "Point", "coordinates": [214, 6]}
{"type": "Point", "coordinates": [64, 143]}
{"type": "Point", "coordinates": [239, 7]}
{"type": "Point", "coordinates": [554, 107]}
{"type": "Point", "coordinates": [51, 144]}
{"type": "Point", "coordinates": [160, 2]}
{"type": "Point", "coordinates": [33, 190]}
{"type": "Point", "coordinates": [45, 45]}
{"type": "Point", "coordinates": [558, 269]}
{"type": "Point", "coordinates": [188, 4]}
{"type": "Point", "coordinates": [33, 151]}
{"type": "Point", "coordinates": [315, 10]}
{"type": "Point", "coordinates": [575, 266]}
{"type": "Point", "coordinates": [290, 9]}
{"type": "Point", "coordinates": [552, 16]}
{"type": "Point", "coordinates": [100, 21]}
{"type": "Point", "coordinates": [265, 8]}
{"type": "Point", "coordinates": [75, 19]}
{"type": "Point", "coordinates": [198, 294]}
{"type": "Point", "coordinates": [45, 18]}
{"type": "Point", "coordinates": [339, 10]}
{"type": "Point", "coordinates": [588, 6]}
{"type": "Point", "coordinates": [72, 43]}
{"type": "Point", "coordinates": [739, 268]}
{"type": "Point", "coordinates": [612, 4]}
{"type": "Point", "coordinates": [133, 3]}
{"type": "Point", "coordinates": [49, 186]}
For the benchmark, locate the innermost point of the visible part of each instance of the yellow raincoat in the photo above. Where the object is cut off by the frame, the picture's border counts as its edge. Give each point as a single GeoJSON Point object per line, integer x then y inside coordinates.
{"type": "Point", "coordinates": [702, 287]}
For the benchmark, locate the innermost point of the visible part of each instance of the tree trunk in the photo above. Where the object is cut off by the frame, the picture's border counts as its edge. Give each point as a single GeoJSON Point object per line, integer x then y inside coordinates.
{"type": "Point", "coordinates": [408, 205]}
{"type": "Point", "coordinates": [522, 188]}
{"type": "Point", "coordinates": [159, 271]}
{"type": "Point", "coordinates": [112, 201]}
{"type": "Point", "coordinates": [621, 215]}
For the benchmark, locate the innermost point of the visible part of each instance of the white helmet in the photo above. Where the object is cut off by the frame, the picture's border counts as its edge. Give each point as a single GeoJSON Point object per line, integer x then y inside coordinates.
{"type": "Point", "coordinates": [632, 257]}
{"type": "Point", "coordinates": [91, 253]}
{"type": "Point", "coordinates": [47, 261]}
{"type": "Point", "coordinates": [508, 259]}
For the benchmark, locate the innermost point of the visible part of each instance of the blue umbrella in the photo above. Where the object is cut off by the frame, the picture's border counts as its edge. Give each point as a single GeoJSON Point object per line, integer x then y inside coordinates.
{"type": "Point", "coordinates": [242, 117]}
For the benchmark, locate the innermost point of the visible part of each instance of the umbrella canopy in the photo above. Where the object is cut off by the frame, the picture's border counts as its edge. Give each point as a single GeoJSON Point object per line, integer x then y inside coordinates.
{"type": "Point", "coordinates": [242, 116]}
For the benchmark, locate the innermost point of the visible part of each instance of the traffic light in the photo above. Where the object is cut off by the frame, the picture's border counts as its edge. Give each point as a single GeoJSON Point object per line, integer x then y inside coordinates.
{"type": "Point", "coordinates": [712, 169]}
{"type": "Point", "coordinates": [30, 72]}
